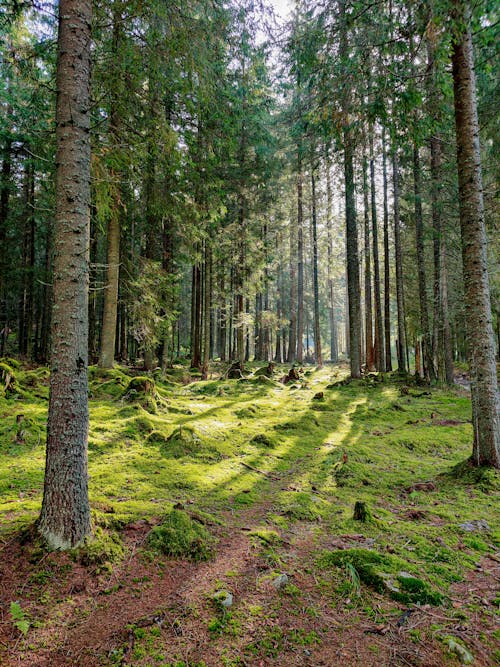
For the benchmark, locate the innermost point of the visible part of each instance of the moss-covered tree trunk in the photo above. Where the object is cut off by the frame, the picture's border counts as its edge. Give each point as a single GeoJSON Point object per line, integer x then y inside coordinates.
{"type": "Point", "coordinates": [480, 340]}
{"type": "Point", "coordinates": [65, 516]}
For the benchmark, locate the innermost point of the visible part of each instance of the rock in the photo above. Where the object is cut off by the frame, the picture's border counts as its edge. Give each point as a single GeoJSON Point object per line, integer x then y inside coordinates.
{"type": "Point", "coordinates": [280, 581]}
{"type": "Point", "coordinates": [466, 658]}
{"type": "Point", "coordinates": [223, 599]}
{"type": "Point", "coordinates": [473, 526]}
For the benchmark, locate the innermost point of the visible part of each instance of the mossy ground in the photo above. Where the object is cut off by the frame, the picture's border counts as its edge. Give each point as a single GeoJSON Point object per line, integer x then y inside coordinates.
{"type": "Point", "coordinates": [267, 460]}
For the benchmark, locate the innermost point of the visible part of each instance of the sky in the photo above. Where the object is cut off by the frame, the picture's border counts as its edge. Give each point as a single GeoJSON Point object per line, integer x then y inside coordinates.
{"type": "Point", "coordinates": [281, 7]}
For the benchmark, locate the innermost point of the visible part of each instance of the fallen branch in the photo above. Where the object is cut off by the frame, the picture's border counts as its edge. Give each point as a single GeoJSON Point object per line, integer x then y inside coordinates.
{"type": "Point", "coordinates": [262, 472]}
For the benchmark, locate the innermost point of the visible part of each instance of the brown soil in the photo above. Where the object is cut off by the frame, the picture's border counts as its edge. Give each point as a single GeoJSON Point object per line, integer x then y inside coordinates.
{"type": "Point", "coordinates": [159, 612]}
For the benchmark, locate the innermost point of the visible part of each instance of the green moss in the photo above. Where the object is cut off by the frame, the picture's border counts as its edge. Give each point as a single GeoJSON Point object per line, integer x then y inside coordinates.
{"type": "Point", "coordinates": [142, 390]}
{"type": "Point", "coordinates": [262, 440]}
{"type": "Point", "coordinates": [104, 547]}
{"type": "Point", "coordinates": [385, 574]}
{"type": "Point", "coordinates": [181, 537]}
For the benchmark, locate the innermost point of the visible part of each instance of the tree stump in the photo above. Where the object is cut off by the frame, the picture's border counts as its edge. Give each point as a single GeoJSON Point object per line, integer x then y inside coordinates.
{"type": "Point", "coordinates": [361, 512]}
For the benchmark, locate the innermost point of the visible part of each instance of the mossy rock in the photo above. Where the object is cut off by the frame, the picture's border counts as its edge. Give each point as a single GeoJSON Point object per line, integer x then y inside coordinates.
{"type": "Point", "coordinates": [266, 381]}
{"type": "Point", "coordinates": [267, 371]}
{"type": "Point", "coordinates": [246, 413]}
{"type": "Point", "coordinates": [385, 574]}
{"type": "Point", "coordinates": [142, 390]}
{"type": "Point", "coordinates": [184, 441]}
{"type": "Point", "coordinates": [262, 440]}
{"type": "Point", "coordinates": [179, 536]}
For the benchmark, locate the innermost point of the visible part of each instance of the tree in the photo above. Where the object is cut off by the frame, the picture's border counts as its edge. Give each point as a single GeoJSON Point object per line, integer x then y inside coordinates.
{"type": "Point", "coordinates": [65, 516]}
{"type": "Point", "coordinates": [480, 340]}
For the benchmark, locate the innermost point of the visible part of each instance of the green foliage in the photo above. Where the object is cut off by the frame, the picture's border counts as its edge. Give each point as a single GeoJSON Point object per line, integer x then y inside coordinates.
{"type": "Point", "coordinates": [383, 572]}
{"type": "Point", "coordinates": [19, 619]}
{"type": "Point", "coordinates": [179, 536]}
{"type": "Point", "coordinates": [102, 549]}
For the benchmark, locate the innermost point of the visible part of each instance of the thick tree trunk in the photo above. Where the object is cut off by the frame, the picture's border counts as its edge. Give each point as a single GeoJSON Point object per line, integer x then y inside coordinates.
{"type": "Point", "coordinates": [317, 332]}
{"type": "Point", "coordinates": [480, 340]}
{"type": "Point", "coordinates": [65, 516]}
{"type": "Point", "coordinates": [401, 343]}
{"type": "Point", "coordinates": [387, 282]}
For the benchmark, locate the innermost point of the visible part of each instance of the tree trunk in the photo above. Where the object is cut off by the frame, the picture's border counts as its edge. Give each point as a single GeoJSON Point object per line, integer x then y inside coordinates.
{"type": "Point", "coordinates": [292, 338]}
{"type": "Point", "coordinates": [300, 264]}
{"type": "Point", "coordinates": [208, 308]}
{"type": "Point", "coordinates": [317, 332]}
{"type": "Point", "coordinates": [65, 516]}
{"type": "Point", "coordinates": [369, 349]}
{"type": "Point", "coordinates": [334, 350]}
{"type": "Point", "coordinates": [379, 325]}
{"type": "Point", "coordinates": [480, 340]}
{"type": "Point", "coordinates": [387, 282]}
{"type": "Point", "coordinates": [428, 362]}
{"type": "Point", "coordinates": [401, 346]}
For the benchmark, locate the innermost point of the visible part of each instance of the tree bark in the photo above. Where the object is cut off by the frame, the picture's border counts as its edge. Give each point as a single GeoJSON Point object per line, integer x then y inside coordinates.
{"type": "Point", "coordinates": [387, 281]}
{"type": "Point", "coordinates": [65, 515]}
{"type": "Point", "coordinates": [317, 331]}
{"type": "Point", "coordinates": [369, 349]}
{"type": "Point", "coordinates": [334, 350]}
{"type": "Point", "coordinates": [379, 324]}
{"type": "Point", "coordinates": [480, 340]}
{"type": "Point", "coordinates": [300, 263]}
{"type": "Point", "coordinates": [401, 346]}
{"type": "Point", "coordinates": [428, 362]}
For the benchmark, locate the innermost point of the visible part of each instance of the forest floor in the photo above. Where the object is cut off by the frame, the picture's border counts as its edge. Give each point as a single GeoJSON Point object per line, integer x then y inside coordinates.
{"type": "Point", "coordinates": [224, 529]}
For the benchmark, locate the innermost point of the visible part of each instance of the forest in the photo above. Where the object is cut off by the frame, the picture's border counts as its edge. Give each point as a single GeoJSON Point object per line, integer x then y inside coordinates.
{"type": "Point", "coordinates": [249, 333]}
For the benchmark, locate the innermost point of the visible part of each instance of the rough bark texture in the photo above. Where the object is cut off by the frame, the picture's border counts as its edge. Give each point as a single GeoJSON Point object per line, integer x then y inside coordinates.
{"type": "Point", "coordinates": [428, 363]}
{"type": "Point", "coordinates": [387, 282]}
{"type": "Point", "coordinates": [334, 352]}
{"type": "Point", "coordinates": [292, 337]}
{"type": "Point", "coordinates": [369, 349]}
{"type": "Point", "coordinates": [110, 309]}
{"type": "Point", "coordinates": [317, 333]}
{"type": "Point", "coordinates": [300, 265]}
{"type": "Point", "coordinates": [65, 516]}
{"type": "Point", "coordinates": [401, 346]}
{"type": "Point", "coordinates": [481, 346]}
{"type": "Point", "coordinates": [379, 324]}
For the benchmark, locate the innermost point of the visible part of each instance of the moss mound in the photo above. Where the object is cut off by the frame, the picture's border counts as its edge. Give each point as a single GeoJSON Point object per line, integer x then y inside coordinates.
{"type": "Point", "coordinates": [385, 574]}
{"type": "Point", "coordinates": [262, 440]}
{"type": "Point", "coordinates": [104, 548]}
{"type": "Point", "coordinates": [142, 390]}
{"type": "Point", "coordinates": [7, 379]}
{"type": "Point", "coordinates": [181, 537]}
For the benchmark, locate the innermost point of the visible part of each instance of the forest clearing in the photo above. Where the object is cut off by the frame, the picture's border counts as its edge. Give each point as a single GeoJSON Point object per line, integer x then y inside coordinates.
{"type": "Point", "coordinates": [249, 333]}
{"type": "Point", "coordinates": [265, 477]}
